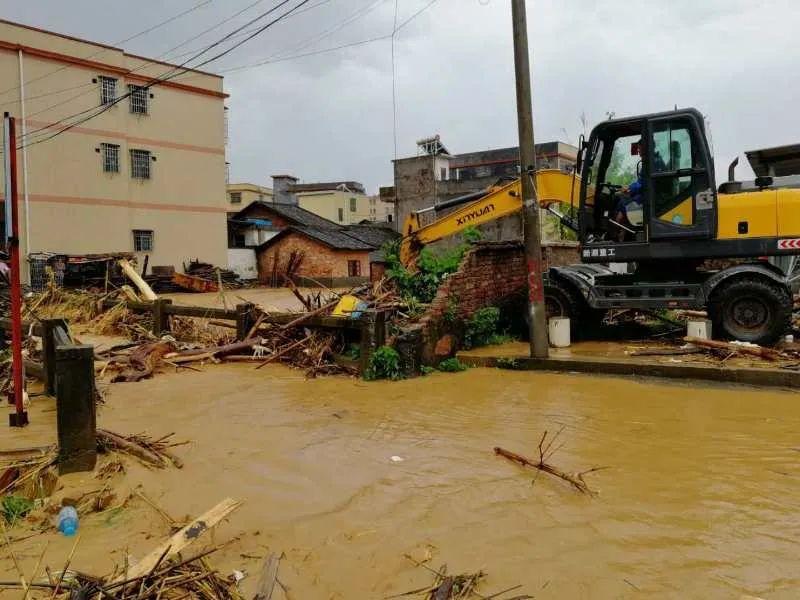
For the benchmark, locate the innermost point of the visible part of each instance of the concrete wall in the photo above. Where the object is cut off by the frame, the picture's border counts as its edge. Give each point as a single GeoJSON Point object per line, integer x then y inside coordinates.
{"type": "Point", "coordinates": [242, 261]}
{"type": "Point", "coordinates": [77, 208]}
{"type": "Point", "coordinates": [319, 260]}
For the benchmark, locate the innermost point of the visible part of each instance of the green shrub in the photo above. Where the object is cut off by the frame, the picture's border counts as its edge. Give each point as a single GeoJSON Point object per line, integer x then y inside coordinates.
{"type": "Point", "coordinates": [452, 365]}
{"type": "Point", "coordinates": [384, 364]}
{"type": "Point", "coordinates": [14, 508]}
{"type": "Point", "coordinates": [432, 268]}
{"type": "Point", "coordinates": [481, 327]}
{"type": "Point", "coordinates": [471, 234]}
{"type": "Point", "coordinates": [427, 370]}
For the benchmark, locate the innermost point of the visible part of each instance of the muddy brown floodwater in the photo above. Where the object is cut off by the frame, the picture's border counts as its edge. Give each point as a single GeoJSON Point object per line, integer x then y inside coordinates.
{"type": "Point", "coordinates": [699, 499]}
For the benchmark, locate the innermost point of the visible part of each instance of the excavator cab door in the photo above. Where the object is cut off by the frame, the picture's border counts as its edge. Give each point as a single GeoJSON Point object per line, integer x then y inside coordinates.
{"type": "Point", "coordinates": [680, 195]}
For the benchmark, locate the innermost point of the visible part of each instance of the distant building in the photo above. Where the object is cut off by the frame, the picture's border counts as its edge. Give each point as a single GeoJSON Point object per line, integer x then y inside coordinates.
{"type": "Point", "coordinates": [333, 256]}
{"type": "Point", "coordinates": [146, 175]}
{"type": "Point", "coordinates": [434, 175]}
{"type": "Point", "coordinates": [242, 194]}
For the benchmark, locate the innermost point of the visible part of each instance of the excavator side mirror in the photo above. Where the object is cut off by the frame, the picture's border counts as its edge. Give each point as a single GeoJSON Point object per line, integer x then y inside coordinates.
{"type": "Point", "coordinates": [581, 151]}
{"type": "Point", "coordinates": [763, 182]}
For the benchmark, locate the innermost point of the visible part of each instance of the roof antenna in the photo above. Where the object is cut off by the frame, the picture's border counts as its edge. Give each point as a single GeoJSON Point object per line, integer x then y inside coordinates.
{"type": "Point", "coordinates": [676, 107]}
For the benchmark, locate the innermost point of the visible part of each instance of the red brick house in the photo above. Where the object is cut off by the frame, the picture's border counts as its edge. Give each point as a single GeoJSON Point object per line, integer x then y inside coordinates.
{"type": "Point", "coordinates": [334, 256]}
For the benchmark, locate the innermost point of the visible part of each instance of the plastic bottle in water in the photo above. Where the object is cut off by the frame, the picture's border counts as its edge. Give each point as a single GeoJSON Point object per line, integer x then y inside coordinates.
{"type": "Point", "coordinates": [68, 520]}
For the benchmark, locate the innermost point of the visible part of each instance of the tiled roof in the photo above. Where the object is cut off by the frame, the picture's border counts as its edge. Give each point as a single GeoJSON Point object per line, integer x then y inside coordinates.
{"type": "Point", "coordinates": [374, 235]}
{"type": "Point", "coordinates": [290, 212]}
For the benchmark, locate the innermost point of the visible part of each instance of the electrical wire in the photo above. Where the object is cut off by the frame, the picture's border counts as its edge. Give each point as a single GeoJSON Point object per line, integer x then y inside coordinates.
{"type": "Point", "coordinates": [358, 14]}
{"type": "Point", "coordinates": [163, 77]}
{"type": "Point", "coordinates": [268, 60]}
{"type": "Point", "coordinates": [133, 37]}
{"type": "Point", "coordinates": [172, 74]}
{"type": "Point", "coordinates": [143, 64]}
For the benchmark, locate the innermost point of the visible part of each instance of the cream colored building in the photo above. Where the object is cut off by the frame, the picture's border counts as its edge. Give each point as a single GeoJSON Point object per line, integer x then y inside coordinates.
{"type": "Point", "coordinates": [343, 202]}
{"type": "Point", "coordinates": [145, 175]}
{"type": "Point", "coordinates": [242, 194]}
{"type": "Point", "coordinates": [380, 210]}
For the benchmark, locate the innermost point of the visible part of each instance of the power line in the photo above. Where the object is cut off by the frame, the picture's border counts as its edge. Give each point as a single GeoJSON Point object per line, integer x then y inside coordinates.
{"type": "Point", "coordinates": [170, 75]}
{"type": "Point", "coordinates": [161, 56]}
{"type": "Point", "coordinates": [358, 14]}
{"type": "Point", "coordinates": [269, 60]}
{"type": "Point", "coordinates": [305, 54]}
{"type": "Point", "coordinates": [138, 68]}
{"type": "Point", "coordinates": [133, 37]}
{"type": "Point", "coordinates": [163, 77]}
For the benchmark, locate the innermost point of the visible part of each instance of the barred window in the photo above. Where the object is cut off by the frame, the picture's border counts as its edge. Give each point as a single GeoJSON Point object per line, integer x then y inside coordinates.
{"type": "Point", "coordinates": [108, 89]}
{"type": "Point", "coordinates": [236, 197]}
{"type": "Point", "coordinates": [353, 205]}
{"type": "Point", "coordinates": [140, 164]}
{"type": "Point", "coordinates": [142, 240]}
{"type": "Point", "coordinates": [139, 96]}
{"type": "Point", "coordinates": [110, 153]}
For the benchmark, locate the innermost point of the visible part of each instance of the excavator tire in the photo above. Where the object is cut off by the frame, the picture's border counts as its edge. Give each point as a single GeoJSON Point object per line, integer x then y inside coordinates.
{"type": "Point", "coordinates": [562, 300]}
{"type": "Point", "coordinates": [750, 309]}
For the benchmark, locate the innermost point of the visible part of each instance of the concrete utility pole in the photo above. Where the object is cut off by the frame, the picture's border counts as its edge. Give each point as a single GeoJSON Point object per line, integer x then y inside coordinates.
{"type": "Point", "coordinates": [537, 321]}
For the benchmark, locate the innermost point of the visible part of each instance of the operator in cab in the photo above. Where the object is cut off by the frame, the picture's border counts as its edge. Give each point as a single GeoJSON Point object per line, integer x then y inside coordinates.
{"type": "Point", "coordinates": [628, 212]}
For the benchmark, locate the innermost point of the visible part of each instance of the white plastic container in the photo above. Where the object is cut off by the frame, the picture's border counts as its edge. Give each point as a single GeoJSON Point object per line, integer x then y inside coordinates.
{"type": "Point", "coordinates": [699, 328]}
{"type": "Point", "coordinates": [558, 329]}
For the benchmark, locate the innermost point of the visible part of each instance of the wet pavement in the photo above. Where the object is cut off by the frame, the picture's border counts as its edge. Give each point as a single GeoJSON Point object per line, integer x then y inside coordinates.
{"type": "Point", "coordinates": [698, 500]}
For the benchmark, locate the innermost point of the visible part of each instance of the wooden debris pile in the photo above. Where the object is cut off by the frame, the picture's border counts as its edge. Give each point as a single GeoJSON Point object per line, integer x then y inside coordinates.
{"type": "Point", "coordinates": [29, 477]}
{"type": "Point", "coordinates": [161, 574]}
{"type": "Point", "coordinates": [457, 587]}
{"type": "Point", "coordinates": [153, 453]}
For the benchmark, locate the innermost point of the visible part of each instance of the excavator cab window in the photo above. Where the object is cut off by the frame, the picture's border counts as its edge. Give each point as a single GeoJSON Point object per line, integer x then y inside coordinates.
{"type": "Point", "coordinates": [614, 204]}
{"type": "Point", "coordinates": [681, 197]}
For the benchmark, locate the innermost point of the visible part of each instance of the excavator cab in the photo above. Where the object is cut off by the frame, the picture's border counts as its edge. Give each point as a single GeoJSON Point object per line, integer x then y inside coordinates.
{"type": "Point", "coordinates": [647, 186]}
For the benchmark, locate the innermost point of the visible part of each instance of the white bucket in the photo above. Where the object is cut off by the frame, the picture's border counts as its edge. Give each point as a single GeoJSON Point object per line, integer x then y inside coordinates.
{"type": "Point", "coordinates": [558, 328]}
{"type": "Point", "coordinates": [699, 328]}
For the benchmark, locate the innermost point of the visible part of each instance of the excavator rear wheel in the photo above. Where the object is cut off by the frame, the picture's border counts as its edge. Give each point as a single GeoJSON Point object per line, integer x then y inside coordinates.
{"type": "Point", "coordinates": [750, 309]}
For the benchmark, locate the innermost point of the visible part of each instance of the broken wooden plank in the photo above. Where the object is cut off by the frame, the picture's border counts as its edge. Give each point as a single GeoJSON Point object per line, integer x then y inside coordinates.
{"type": "Point", "coordinates": [144, 289]}
{"type": "Point", "coordinates": [182, 539]}
{"type": "Point", "coordinates": [269, 577]}
{"type": "Point", "coordinates": [752, 350]}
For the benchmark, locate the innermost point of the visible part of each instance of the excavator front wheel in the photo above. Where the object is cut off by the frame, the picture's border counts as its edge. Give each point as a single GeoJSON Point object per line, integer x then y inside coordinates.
{"type": "Point", "coordinates": [562, 300]}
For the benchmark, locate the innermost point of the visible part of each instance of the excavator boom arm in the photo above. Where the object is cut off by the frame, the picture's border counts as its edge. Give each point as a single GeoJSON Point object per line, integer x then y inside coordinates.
{"type": "Point", "coordinates": [551, 185]}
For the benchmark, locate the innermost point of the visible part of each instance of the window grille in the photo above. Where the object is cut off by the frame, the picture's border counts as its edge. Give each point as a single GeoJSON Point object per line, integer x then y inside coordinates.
{"type": "Point", "coordinates": [142, 240]}
{"type": "Point", "coordinates": [110, 153]}
{"type": "Point", "coordinates": [108, 89]}
{"type": "Point", "coordinates": [139, 97]}
{"type": "Point", "coordinates": [140, 164]}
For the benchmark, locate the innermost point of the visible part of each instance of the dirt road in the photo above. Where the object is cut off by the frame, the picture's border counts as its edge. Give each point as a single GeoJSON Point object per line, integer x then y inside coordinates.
{"type": "Point", "coordinates": [697, 502]}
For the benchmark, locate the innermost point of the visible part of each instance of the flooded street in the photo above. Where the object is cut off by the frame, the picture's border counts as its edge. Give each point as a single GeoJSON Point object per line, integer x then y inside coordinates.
{"type": "Point", "coordinates": [698, 500]}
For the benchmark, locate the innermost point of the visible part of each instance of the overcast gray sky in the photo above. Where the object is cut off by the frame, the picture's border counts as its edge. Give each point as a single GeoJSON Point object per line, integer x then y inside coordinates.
{"type": "Point", "coordinates": [329, 115]}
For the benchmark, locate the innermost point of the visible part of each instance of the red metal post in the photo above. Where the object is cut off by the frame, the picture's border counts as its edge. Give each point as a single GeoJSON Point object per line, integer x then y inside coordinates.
{"type": "Point", "coordinates": [19, 418]}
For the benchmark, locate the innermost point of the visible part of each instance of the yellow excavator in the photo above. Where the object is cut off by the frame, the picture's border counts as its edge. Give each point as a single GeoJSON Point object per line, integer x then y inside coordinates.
{"type": "Point", "coordinates": [665, 223]}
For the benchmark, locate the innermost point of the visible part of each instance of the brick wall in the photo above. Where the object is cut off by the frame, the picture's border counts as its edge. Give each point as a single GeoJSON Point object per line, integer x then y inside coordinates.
{"type": "Point", "coordinates": [319, 260]}
{"type": "Point", "coordinates": [490, 274]}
